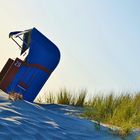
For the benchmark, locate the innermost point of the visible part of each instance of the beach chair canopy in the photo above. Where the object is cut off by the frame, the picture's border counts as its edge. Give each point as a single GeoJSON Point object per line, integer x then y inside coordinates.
{"type": "Point", "coordinates": [41, 49]}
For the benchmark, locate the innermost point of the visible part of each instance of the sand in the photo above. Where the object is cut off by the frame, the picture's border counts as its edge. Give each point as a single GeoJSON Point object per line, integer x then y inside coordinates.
{"type": "Point", "coordinates": [21, 120]}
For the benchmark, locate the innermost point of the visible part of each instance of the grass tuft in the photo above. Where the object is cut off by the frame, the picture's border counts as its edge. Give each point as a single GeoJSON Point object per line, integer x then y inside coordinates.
{"type": "Point", "coordinates": [80, 100]}
{"type": "Point", "coordinates": [122, 111]}
{"type": "Point", "coordinates": [64, 97]}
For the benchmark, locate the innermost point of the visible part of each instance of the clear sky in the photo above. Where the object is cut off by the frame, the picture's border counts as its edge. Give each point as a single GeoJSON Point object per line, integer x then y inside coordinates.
{"type": "Point", "coordinates": [99, 40]}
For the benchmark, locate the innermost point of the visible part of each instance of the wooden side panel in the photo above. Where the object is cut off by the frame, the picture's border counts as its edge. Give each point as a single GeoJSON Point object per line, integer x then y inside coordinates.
{"type": "Point", "coordinates": [6, 68]}
{"type": "Point", "coordinates": [9, 76]}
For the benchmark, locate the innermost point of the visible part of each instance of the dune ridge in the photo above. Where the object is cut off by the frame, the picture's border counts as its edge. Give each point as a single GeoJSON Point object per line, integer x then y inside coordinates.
{"type": "Point", "coordinates": [25, 121]}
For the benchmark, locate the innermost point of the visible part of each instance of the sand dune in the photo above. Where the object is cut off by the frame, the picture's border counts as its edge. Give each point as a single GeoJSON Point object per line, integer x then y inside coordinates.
{"type": "Point", "coordinates": [21, 120]}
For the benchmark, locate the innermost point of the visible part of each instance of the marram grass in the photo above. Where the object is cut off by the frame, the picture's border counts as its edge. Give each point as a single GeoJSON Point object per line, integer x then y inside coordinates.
{"type": "Point", "coordinates": [122, 111]}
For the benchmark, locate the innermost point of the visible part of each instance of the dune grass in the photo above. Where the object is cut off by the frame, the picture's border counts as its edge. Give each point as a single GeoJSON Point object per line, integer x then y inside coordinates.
{"type": "Point", "coordinates": [122, 111]}
{"type": "Point", "coordinates": [64, 96]}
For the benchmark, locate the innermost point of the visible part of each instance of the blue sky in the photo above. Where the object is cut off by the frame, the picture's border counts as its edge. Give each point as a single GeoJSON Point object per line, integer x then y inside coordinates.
{"type": "Point", "coordinates": [98, 39]}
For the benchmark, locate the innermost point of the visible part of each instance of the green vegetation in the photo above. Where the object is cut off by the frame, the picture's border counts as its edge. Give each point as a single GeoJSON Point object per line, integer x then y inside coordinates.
{"type": "Point", "coordinates": [138, 138]}
{"type": "Point", "coordinates": [120, 112]}
{"type": "Point", "coordinates": [64, 97]}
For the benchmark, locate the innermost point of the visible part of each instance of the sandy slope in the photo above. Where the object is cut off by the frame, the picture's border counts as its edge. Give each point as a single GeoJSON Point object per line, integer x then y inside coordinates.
{"type": "Point", "coordinates": [21, 120]}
